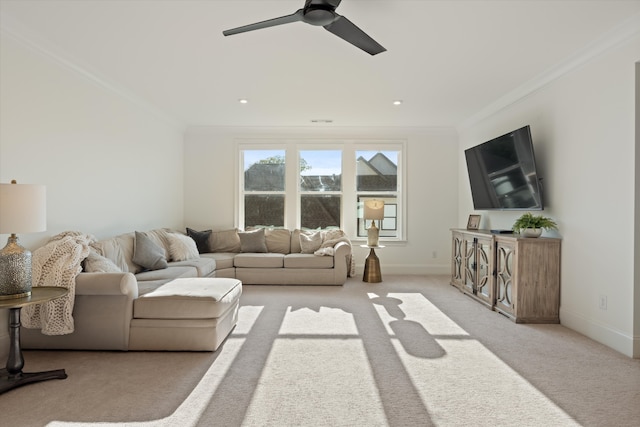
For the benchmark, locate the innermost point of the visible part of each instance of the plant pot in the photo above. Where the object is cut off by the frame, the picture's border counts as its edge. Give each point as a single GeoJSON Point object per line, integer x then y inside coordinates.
{"type": "Point", "coordinates": [531, 232]}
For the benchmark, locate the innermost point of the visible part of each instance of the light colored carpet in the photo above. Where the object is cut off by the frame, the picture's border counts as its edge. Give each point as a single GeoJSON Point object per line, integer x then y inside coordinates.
{"type": "Point", "coordinates": [411, 351]}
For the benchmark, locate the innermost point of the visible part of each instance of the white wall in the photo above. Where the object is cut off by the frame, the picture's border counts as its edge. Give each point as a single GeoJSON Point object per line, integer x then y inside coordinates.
{"type": "Point", "coordinates": [109, 166]}
{"type": "Point", "coordinates": [636, 299]}
{"type": "Point", "coordinates": [583, 131]}
{"type": "Point", "coordinates": [210, 191]}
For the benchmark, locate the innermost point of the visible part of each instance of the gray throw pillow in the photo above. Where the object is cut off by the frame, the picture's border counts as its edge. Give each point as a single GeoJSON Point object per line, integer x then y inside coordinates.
{"type": "Point", "coordinates": [253, 241]}
{"type": "Point", "coordinates": [148, 254]}
{"type": "Point", "coordinates": [225, 241]}
{"type": "Point", "coordinates": [201, 238]}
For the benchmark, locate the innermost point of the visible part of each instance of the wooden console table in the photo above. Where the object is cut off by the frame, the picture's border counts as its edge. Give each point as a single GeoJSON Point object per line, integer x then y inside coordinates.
{"type": "Point", "coordinates": [513, 275]}
{"type": "Point", "coordinates": [12, 376]}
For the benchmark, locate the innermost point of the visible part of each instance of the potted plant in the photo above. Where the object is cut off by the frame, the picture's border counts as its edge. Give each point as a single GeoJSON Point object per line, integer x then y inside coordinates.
{"type": "Point", "coordinates": [531, 225]}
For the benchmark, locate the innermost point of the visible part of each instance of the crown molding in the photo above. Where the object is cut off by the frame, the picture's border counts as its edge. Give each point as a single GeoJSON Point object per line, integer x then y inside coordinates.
{"type": "Point", "coordinates": [15, 30]}
{"type": "Point", "coordinates": [619, 34]}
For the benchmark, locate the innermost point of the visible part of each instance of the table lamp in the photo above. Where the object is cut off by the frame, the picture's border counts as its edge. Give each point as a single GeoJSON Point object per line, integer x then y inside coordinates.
{"type": "Point", "coordinates": [23, 209]}
{"type": "Point", "coordinates": [373, 209]}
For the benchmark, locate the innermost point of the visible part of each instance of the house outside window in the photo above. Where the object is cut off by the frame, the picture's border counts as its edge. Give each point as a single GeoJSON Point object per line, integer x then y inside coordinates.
{"type": "Point", "coordinates": [294, 184]}
{"type": "Point", "coordinates": [264, 187]}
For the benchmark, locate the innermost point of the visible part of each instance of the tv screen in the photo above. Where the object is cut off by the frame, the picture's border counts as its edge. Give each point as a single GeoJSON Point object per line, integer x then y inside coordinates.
{"type": "Point", "coordinates": [502, 173]}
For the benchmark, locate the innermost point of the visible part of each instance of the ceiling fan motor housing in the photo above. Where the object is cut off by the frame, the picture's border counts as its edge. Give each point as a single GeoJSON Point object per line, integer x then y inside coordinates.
{"type": "Point", "coordinates": [319, 16]}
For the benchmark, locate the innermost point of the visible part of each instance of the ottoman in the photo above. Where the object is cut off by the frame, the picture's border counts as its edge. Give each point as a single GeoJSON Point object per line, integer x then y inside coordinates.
{"type": "Point", "coordinates": [186, 314]}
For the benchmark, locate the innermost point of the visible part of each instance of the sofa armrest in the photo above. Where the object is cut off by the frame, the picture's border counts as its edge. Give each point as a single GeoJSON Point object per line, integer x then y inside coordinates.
{"type": "Point", "coordinates": [102, 313]}
{"type": "Point", "coordinates": [342, 259]}
{"type": "Point", "coordinates": [107, 284]}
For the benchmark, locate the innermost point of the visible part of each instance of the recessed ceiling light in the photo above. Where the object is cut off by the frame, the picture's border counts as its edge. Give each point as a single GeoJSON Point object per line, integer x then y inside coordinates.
{"type": "Point", "coordinates": [397, 102]}
{"type": "Point", "coordinates": [243, 101]}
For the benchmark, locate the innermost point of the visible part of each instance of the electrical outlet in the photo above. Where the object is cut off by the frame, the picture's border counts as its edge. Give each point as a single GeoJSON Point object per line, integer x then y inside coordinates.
{"type": "Point", "coordinates": [434, 254]}
{"type": "Point", "coordinates": [602, 302]}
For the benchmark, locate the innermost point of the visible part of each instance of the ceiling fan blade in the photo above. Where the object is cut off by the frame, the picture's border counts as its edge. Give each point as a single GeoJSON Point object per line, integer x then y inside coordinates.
{"type": "Point", "coordinates": [348, 31]}
{"type": "Point", "coordinates": [294, 17]}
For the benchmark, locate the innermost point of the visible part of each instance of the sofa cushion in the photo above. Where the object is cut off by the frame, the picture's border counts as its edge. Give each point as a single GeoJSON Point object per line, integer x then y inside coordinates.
{"type": "Point", "coordinates": [168, 273]}
{"type": "Point", "coordinates": [182, 247]}
{"type": "Point", "coordinates": [223, 259]}
{"type": "Point", "coordinates": [201, 298]}
{"type": "Point", "coordinates": [253, 241]}
{"type": "Point", "coordinates": [146, 286]}
{"type": "Point", "coordinates": [295, 241]}
{"type": "Point", "coordinates": [225, 241]}
{"type": "Point", "coordinates": [205, 266]}
{"type": "Point", "coordinates": [201, 238]}
{"type": "Point", "coordinates": [148, 254]}
{"type": "Point", "coordinates": [307, 261]}
{"type": "Point", "coordinates": [259, 260]}
{"type": "Point", "coordinates": [310, 241]}
{"type": "Point", "coordinates": [278, 240]}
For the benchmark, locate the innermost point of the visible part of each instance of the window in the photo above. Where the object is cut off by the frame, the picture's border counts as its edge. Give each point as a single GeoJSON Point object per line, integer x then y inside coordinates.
{"type": "Point", "coordinates": [264, 187]}
{"type": "Point", "coordinates": [320, 188]}
{"type": "Point", "coordinates": [295, 184]}
{"type": "Point", "coordinates": [377, 178]}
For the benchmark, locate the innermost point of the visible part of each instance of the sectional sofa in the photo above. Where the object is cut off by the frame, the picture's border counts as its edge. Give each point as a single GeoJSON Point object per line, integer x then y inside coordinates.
{"type": "Point", "coordinates": [119, 272]}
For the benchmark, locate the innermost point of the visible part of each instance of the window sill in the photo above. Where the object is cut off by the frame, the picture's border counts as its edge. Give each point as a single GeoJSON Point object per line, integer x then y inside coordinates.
{"type": "Point", "coordinates": [363, 241]}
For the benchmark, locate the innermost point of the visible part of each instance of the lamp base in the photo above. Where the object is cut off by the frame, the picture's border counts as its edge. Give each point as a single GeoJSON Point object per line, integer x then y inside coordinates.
{"type": "Point", "coordinates": [15, 270]}
{"type": "Point", "coordinates": [373, 234]}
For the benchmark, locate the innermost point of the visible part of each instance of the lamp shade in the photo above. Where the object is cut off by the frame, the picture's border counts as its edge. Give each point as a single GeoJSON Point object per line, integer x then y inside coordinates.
{"type": "Point", "coordinates": [374, 209]}
{"type": "Point", "coordinates": [23, 208]}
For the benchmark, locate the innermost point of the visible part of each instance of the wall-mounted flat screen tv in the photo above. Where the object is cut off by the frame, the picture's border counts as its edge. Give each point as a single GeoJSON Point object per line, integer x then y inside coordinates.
{"type": "Point", "coordinates": [503, 174]}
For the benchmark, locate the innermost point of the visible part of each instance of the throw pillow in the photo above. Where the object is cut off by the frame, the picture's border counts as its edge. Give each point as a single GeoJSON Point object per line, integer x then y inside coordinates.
{"type": "Point", "coordinates": [295, 241]}
{"type": "Point", "coordinates": [181, 247]}
{"type": "Point", "coordinates": [225, 241]}
{"type": "Point", "coordinates": [96, 263]}
{"type": "Point", "coordinates": [253, 241]}
{"type": "Point", "coordinates": [310, 241]}
{"type": "Point", "coordinates": [278, 240]}
{"type": "Point", "coordinates": [201, 238]}
{"type": "Point", "coordinates": [148, 254]}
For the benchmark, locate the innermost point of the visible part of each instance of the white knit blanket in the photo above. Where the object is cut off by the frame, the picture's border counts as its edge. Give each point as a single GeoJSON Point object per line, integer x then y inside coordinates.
{"type": "Point", "coordinates": [56, 264]}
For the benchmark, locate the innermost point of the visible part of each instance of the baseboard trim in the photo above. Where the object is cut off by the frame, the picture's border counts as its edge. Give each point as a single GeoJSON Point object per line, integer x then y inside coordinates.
{"type": "Point", "coordinates": [624, 343]}
{"type": "Point", "coordinates": [410, 269]}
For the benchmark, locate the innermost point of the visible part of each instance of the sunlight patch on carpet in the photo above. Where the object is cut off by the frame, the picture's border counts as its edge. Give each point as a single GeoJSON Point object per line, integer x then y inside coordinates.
{"type": "Point", "coordinates": [446, 360]}
{"type": "Point", "coordinates": [305, 368]}
{"type": "Point", "coordinates": [326, 321]}
{"type": "Point", "coordinates": [247, 316]}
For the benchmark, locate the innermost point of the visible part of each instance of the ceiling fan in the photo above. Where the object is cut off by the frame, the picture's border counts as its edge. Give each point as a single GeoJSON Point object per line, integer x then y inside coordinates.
{"type": "Point", "coordinates": [320, 13]}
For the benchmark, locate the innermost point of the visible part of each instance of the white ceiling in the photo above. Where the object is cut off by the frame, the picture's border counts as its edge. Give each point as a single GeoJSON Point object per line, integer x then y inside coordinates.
{"type": "Point", "coordinates": [447, 60]}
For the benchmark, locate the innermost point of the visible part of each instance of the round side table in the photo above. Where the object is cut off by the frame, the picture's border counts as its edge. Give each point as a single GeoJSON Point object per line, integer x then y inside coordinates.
{"type": "Point", "coordinates": [372, 272]}
{"type": "Point", "coordinates": [12, 376]}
